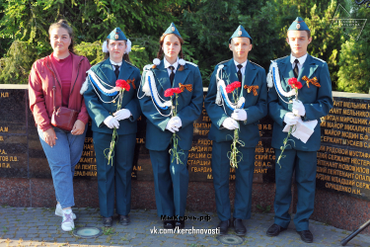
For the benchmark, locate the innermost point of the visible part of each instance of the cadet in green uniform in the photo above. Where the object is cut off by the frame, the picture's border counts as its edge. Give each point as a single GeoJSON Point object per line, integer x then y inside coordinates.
{"type": "Point", "coordinates": [227, 115]}
{"type": "Point", "coordinates": [171, 174]}
{"type": "Point", "coordinates": [314, 101]}
{"type": "Point", "coordinates": [101, 98]}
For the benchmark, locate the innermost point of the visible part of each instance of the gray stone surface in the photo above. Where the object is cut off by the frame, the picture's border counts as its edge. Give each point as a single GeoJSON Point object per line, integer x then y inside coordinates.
{"type": "Point", "coordinates": [40, 227]}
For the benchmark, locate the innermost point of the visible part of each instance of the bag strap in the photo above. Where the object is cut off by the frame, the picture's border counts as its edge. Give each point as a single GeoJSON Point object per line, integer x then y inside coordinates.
{"type": "Point", "coordinates": [54, 88]}
{"type": "Point", "coordinates": [54, 97]}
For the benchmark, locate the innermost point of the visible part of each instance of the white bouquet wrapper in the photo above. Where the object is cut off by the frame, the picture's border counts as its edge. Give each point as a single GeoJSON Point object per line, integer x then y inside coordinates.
{"type": "Point", "coordinates": [303, 130]}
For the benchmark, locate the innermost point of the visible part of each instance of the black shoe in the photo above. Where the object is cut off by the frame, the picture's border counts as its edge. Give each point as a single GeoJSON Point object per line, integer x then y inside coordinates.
{"type": "Point", "coordinates": [224, 226]}
{"type": "Point", "coordinates": [180, 224]}
{"type": "Point", "coordinates": [274, 230]}
{"type": "Point", "coordinates": [107, 221]}
{"type": "Point", "coordinates": [124, 220]}
{"type": "Point", "coordinates": [239, 227]}
{"type": "Point", "coordinates": [168, 224]}
{"type": "Point", "coordinates": [306, 236]}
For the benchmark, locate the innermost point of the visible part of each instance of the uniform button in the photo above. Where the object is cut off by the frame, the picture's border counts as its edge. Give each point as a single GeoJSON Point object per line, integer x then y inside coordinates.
{"type": "Point", "coordinates": [114, 101]}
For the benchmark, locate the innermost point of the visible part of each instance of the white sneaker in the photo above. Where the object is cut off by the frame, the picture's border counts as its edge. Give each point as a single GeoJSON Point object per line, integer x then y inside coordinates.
{"type": "Point", "coordinates": [59, 212]}
{"type": "Point", "coordinates": [67, 223]}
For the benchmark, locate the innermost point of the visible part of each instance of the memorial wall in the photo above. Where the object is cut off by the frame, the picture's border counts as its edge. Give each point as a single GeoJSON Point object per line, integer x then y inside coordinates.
{"type": "Point", "coordinates": [343, 163]}
{"type": "Point", "coordinates": [343, 159]}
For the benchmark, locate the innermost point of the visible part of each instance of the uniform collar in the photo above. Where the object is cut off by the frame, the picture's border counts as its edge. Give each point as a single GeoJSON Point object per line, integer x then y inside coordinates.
{"type": "Point", "coordinates": [300, 59]}
{"type": "Point", "coordinates": [114, 63]}
{"type": "Point", "coordinates": [167, 64]}
{"type": "Point", "coordinates": [244, 64]}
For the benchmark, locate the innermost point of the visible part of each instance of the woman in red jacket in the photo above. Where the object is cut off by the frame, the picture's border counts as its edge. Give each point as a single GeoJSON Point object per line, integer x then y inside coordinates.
{"type": "Point", "coordinates": [66, 72]}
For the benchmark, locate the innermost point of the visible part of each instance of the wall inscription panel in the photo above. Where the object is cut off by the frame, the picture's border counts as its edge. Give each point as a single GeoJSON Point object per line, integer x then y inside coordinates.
{"type": "Point", "coordinates": [343, 161]}
{"type": "Point", "coordinates": [13, 133]}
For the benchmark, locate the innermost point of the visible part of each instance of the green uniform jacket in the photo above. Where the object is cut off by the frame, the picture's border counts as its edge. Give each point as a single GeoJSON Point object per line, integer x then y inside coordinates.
{"type": "Point", "coordinates": [101, 106]}
{"type": "Point", "coordinates": [255, 105]}
{"type": "Point", "coordinates": [316, 100]}
{"type": "Point", "coordinates": [189, 106]}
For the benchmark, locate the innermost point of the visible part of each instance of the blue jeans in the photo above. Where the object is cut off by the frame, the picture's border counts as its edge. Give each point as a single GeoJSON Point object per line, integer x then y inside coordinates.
{"type": "Point", "coordinates": [62, 159]}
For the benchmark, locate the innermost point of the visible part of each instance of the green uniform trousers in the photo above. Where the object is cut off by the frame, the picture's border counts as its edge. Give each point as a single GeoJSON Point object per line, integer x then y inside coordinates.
{"type": "Point", "coordinates": [304, 165]}
{"type": "Point", "coordinates": [114, 179]}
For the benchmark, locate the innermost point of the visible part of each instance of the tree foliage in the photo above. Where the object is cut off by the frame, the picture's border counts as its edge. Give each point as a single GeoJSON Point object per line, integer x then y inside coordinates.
{"type": "Point", "coordinates": [28, 21]}
{"type": "Point", "coordinates": [206, 26]}
{"type": "Point", "coordinates": [267, 23]}
{"type": "Point", "coordinates": [354, 62]}
{"type": "Point", "coordinates": [15, 68]}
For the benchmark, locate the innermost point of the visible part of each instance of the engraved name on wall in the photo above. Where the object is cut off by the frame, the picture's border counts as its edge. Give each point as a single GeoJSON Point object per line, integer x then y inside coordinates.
{"type": "Point", "coordinates": [343, 161]}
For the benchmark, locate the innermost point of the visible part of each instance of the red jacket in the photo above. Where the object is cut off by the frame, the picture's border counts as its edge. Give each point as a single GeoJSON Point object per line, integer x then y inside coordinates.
{"type": "Point", "coordinates": [43, 77]}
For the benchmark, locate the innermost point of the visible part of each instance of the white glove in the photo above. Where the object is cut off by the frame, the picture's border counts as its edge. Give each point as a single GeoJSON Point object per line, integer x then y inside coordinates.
{"type": "Point", "coordinates": [177, 122]}
{"type": "Point", "coordinates": [290, 118]}
{"type": "Point", "coordinates": [239, 115]}
{"type": "Point", "coordinates": [122, 114]}
{"type": "Point", "coordinates": [298, 108]}
{"type": "Point", "coordinates": [230, 124]}
{"type": "Point", "coordinates": [111, 122]}
{"type": "Point", "coordinates": [174, 124]}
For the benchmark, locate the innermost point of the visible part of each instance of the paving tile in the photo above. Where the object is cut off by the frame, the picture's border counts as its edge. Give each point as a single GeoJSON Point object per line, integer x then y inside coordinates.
{"type": "Point", "coordinates": [43, 229]}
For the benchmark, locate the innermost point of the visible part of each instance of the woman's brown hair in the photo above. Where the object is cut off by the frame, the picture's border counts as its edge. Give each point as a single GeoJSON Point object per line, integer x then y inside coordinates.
{"type": "Point", "coordinates": [63, 24]}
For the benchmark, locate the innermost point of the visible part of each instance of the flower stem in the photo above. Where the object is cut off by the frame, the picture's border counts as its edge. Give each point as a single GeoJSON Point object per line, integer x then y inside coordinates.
{"type": "Point", "coordinates": [234, 150]}
{"type": "Point", "coordinates": [285, 142]}
{"type": "Point", "coordinates": [112, 144]}
{"type": "Point", "coordinates": [111, 147]}
{"type": "Point", "coordinates": [175, 139]}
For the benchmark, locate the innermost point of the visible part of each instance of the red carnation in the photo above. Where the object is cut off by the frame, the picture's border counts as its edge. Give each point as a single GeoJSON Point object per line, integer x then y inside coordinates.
{"type": "Point", "coordinates": [177, 90]}
{"type": "Point", "coordinates": [293, 83]}
{"type": "Point", "coordinates": [123, 84]}
{"type": "Point", "coordinates": [169, 92]}
{"type": "Point", "coordinates": [231, 87]}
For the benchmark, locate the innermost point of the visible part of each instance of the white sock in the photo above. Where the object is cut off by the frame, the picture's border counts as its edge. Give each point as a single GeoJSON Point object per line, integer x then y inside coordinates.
{"type": "Point", "coordinates": [67, 211]}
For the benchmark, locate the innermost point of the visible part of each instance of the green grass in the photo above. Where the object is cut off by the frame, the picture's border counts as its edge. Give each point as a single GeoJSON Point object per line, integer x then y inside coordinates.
{"type": "Point", "coordinates": [263, 209]}
{"type": "Point", "coordinates": [108, 230]}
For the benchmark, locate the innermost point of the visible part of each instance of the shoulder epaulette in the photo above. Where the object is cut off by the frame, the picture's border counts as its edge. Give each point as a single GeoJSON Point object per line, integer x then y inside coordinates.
{"type": "Point", "coordinates": [191, 63]}
{"type": "Point", "coordinates": [318, 59]}
{"type": "Point", "coordinates": [280, 58]}
{"type": "Point", "coordinates": [256, 64]}
{"type": "Point", "coordinates": [131, 64]}
{"type": "Point", "coordinates": [225, 61]}
{"type": "Point", "coordinates": [97, 64]}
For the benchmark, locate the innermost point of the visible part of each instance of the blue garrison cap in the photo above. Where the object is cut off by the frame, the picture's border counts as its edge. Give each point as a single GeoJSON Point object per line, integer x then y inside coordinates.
{"type": "Point", "coordinates": [298, 25]}
{"type": "Point", "coordinates": [117, 34]}
{"type": "Point", "coordinates": [172, 30]}
{"type": "Point", "coordinates": [240, 32]}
